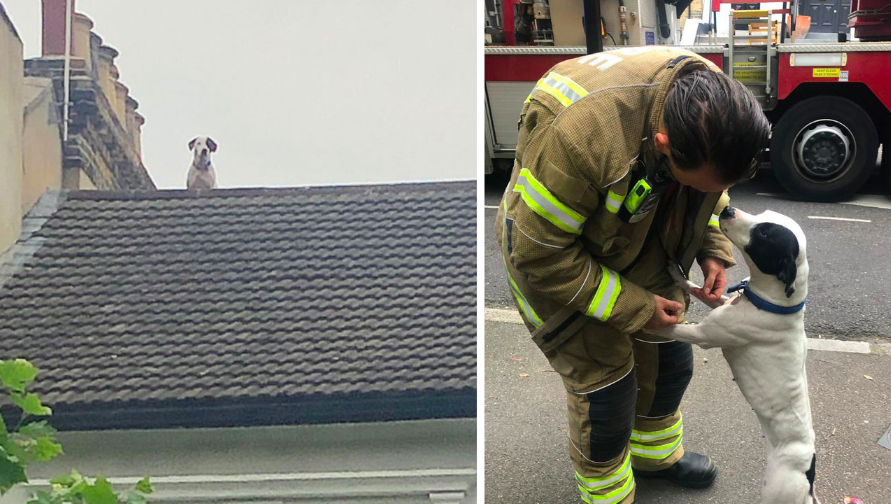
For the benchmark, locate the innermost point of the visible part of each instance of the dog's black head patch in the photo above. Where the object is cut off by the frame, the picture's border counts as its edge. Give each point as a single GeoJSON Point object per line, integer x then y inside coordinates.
{"type": "Point", "coordinates": [774, 249]}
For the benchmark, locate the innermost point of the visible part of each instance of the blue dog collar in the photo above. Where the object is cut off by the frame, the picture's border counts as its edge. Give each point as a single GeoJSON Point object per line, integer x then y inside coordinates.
{"type": "Point", "coordinates": [763, 304]}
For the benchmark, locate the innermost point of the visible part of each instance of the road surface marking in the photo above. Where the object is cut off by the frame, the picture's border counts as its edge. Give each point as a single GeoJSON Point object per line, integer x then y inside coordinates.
{"type": "Point", "coordinates": [507, 316]}
{"type": "Point", "coordinates": [831, 345]}
{"type": "Point", "coordinates": [490, 207]}
{"type": "Point", "coordinates": [837, 218]}
{"type": "Point", "coordinates": [865, 200]}
{"type": "Point", "coordinates": [819, 344]}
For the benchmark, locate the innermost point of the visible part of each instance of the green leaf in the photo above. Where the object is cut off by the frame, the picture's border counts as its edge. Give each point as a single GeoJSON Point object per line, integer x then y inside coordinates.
{"type": "Point", "coordinates": [4, 434]}
{"type": "Point", "coordinates": [145, 486]}
{"type": "Point", "coordinates": [46, 449]}
{"type": "Point", "coordinates": [99, 492]}
{"type": "Point", "coordinates": [42, 498]}
{"type": "Point", "coordinates": [11, 472]}
{"type": "Point", "coordinates": [31, 404]}
{"type": "Point", "coordinates": [36, 441]}
{"type": "Point", "coordinates": [17, 446]}
{"type": "Point", "coordinates": [17, 374]}
{"type": "Point", "coordinates": [37, 429]}
{"type": "Point", "coordinates": [135, 498]}
{"type": "Point", "coordinates": [68, 480]}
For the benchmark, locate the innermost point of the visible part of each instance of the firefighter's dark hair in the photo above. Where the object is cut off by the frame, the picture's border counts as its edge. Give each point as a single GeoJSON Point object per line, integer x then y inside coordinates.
{"type": "Point", "coordinates": [713, 120]}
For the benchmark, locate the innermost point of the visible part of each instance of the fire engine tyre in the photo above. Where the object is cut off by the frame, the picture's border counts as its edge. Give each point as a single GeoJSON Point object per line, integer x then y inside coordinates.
{"type": "Point", "coordinates": [824, 149]}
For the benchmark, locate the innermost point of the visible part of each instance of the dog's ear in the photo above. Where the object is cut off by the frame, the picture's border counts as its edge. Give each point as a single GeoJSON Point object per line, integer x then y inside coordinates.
{"type": "Point", "coordinates": [192, 143]}
{"type": "Point", "coordinates": [787, 274]}
{"type": "Point", "coordinates": [211, 144]}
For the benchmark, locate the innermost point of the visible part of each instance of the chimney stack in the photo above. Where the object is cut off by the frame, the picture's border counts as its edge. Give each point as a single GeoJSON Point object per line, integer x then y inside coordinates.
{"type": "Point", "coordinates": [54, 27]}
{"type": "Point", "coordinates": [80, 47]}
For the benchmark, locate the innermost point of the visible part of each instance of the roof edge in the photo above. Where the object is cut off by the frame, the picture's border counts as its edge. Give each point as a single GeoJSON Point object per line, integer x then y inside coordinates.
{"type": "Point", "coordinates": [256, 191]}
{"type": "Point", "coordinates": [5, 17]}
{"type": "Point", "coordinates": [357, 407]}
{"type": "Point", "coordinates": [14, 259]}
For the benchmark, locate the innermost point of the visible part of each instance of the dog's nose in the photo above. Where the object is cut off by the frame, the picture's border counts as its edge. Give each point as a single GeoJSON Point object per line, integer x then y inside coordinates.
{"type": "Point", "coordinates": [728, 213]}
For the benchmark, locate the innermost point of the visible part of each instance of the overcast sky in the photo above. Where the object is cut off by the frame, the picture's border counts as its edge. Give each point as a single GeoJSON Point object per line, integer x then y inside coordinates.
{"type": "Point", "coordinates": [295, 92]}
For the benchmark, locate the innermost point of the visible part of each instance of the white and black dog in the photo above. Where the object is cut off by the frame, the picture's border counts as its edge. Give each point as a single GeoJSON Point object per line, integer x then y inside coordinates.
{"type": "Point", "coordinates": [761, 333]}
{"type": "Point", "coordinates": [201, 173]}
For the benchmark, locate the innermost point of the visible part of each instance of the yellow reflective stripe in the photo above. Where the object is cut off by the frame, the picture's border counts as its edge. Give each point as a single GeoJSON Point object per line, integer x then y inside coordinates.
{"type": "Point", "coordinates": [677, 428]}
{"type": "Point", "coordinates": [564, 89]}
{"type": "Point", "coordinates": [605, 298]}
{"type": "Point", "coordinates": [531, 316]}
{"type": "Point", "coordinates": [713, 221]}
{"type": "Point", "coordinates": [604, 481]}
{"type": "Point", "coordinates": [571, 84]}
{"type": "Point", "coordinates": [658, 451]}
{"type": "Point", "coordinates": [614, 201]}
{"type": "Point", "coordinates": [555, 93]}
{"type": "Point", "coordinates": [541, 201]}
{"type": "Point", "coordinates": [614, 496]}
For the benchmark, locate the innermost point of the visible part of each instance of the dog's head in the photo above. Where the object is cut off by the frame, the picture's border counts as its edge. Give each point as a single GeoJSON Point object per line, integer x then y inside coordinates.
{"type": "Point", "coordinates": [773, 246]}
{"type": "Point", "coordinates": [201, 148]}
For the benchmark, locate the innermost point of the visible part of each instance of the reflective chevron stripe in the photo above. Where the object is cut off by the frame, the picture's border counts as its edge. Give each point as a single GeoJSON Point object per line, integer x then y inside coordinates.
{"type": "Point", "coordinates": [676, 429]}
{"type": "Point", "coordinates": [605, 297]}
{"type": "Point", "coordinates": [541, 201]}
{"type": "Point", "coordinates": [657, 451]}
{"type": "Point", "coordinates": [621, 473]}
{"type": "Point", "coordinates": [531, 316]}
{"type": "Point", "coordinates": [713, 221]}
{"type": "Point", "coordinates": [564, 89]}
{"type": "Point", "coordinates": [610, 498]}
{"type": "Point", "coordinates": [614, 201]}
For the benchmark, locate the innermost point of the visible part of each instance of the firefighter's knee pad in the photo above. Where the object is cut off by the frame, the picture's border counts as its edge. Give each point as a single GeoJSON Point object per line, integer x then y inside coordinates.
{"type": "Point", "coordinates": [674, 374]}
{"type": "Point", "coordinates": [611, 414]}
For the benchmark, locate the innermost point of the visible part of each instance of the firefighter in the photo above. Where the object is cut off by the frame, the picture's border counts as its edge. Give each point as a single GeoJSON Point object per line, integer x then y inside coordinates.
{"type": "Point", "coordinates": [622, 167]}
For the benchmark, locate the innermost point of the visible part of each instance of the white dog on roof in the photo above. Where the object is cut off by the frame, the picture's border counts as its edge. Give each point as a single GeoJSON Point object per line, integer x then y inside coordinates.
{"type": "Point", "coordinates": [201, 173]}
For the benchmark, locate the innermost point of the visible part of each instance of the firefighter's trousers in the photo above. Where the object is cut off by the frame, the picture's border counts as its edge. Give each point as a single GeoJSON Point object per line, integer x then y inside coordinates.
{"type": "Point", "coordinates": [623, 393]}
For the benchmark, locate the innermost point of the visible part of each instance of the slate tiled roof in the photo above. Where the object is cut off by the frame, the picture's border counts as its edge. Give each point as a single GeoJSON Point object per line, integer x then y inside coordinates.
{"type": "Point", "coordinates": [244, 307]}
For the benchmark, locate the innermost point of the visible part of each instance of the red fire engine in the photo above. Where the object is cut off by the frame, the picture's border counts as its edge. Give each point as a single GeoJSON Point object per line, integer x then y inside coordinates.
{"type": "Point", "coordinates": [829, 101]}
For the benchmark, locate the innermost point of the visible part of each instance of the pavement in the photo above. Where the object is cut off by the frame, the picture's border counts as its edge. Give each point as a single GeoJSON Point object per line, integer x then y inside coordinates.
{"type": "Point", "coordinates": [527, 457]}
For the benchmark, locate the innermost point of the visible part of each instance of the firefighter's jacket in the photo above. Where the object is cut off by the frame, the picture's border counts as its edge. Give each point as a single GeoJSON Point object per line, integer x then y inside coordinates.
{"type": "Point", "coordinates": [586, 134]}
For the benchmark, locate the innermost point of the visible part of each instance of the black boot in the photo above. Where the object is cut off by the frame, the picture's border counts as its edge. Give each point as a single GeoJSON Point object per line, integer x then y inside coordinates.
{"type": "Point", "coordinates": [691, 471]}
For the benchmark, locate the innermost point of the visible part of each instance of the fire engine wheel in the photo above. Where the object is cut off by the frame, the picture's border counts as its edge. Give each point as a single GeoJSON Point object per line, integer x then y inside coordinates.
{"type": "Point", "coordinates": [824, 149]}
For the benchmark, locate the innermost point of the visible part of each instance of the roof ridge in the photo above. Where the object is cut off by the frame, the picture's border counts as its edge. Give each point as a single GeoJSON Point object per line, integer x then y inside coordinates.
{"type": "Point", "coordinates": [14, 259]}
{"type": "Point", "coordinates": [235, 192]}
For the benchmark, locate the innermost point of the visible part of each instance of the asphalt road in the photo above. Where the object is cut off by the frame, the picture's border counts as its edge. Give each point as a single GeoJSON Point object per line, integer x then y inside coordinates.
{"type": "Point", "coordinates": [850, 278]}
{"type": "Point", "coordinates": [527, 458]}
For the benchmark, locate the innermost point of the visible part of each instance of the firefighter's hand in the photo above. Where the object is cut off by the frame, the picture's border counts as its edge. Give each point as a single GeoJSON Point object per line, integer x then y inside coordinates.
{"type": "Point", "coordinates": [667, 313]}
{"type": "Point", "coordinates": [715, 280]}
